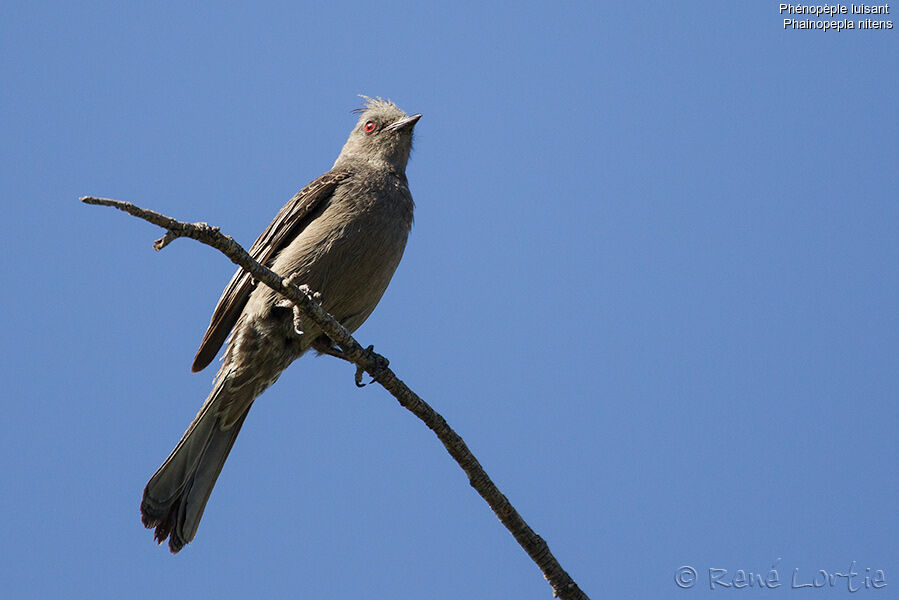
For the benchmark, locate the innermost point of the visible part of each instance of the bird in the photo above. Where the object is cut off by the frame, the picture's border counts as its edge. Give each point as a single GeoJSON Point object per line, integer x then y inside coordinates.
{"type": "Point", "coordinates": [342, 236]}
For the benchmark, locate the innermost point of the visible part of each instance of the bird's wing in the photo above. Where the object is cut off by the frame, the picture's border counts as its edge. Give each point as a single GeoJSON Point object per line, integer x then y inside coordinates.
{"type": "Point", "coordinates": [289, 222]}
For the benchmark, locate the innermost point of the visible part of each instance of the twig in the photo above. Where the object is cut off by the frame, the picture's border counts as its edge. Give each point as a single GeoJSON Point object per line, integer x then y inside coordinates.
{"type": "Point", "coordinates": [376, 366]}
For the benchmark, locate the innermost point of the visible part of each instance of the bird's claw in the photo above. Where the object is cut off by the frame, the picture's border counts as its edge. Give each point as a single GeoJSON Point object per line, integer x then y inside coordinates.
{"type": "Point", "coordinates": [323, 345]}
{"type": "Point", "coordinates": [297, 320]}
{"type": "Point", "coordinates": [297, 314]}
{"type": "Point", "coordinates": [381, 364]}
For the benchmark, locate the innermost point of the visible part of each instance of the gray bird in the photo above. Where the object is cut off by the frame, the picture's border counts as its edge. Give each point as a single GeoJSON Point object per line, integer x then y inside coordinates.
{"type": "Point", "coordinates": [343, 235]}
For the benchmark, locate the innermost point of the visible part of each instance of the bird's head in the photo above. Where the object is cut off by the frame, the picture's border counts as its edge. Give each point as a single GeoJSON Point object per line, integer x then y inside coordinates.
{"type": "Point", "coordinates": [382, 135]}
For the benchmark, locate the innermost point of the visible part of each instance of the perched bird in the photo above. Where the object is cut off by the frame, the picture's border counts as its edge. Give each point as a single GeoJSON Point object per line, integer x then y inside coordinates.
{"type": "Point", "coordinates": [343, 235]}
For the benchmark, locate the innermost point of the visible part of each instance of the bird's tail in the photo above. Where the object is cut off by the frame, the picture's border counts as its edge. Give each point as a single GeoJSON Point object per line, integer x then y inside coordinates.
{"type": "Point", "coordinates": [177, 493]}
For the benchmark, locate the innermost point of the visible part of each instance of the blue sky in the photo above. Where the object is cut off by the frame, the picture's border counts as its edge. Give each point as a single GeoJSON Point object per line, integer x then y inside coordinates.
{"type": "Point", "coordinates": [652, 282]}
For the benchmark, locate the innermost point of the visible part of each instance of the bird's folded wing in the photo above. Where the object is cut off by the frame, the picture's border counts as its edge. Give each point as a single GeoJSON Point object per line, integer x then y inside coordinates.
{"type": "Point", "coordinates": [288, 223]}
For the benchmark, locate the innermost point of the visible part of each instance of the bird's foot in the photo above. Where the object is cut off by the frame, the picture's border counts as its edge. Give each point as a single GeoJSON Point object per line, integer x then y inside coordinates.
{"type": "Point", "coordinates": [297, 314]}
{"type": "Point", "coordinates": [324, 345]}
{"type": "Point", "coordinates": [381, 365]}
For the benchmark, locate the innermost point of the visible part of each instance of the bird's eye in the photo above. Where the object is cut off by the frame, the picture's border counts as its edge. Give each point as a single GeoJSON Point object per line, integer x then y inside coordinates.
{"type": "Point", "coordinates": [369, 127]}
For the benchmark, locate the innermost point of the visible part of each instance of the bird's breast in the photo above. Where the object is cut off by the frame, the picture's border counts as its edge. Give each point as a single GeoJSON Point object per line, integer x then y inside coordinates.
{"type": "Point", "coordinates": [350, 251]}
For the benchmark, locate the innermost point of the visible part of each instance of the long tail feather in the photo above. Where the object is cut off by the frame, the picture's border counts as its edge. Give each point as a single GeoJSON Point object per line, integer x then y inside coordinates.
{"type": "Point", "coordinates": [176, 495]}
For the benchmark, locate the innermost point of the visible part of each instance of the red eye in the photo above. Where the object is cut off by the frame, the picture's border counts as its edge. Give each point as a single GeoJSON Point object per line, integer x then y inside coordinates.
{"type": "Point", "coordinates": [369, 127]}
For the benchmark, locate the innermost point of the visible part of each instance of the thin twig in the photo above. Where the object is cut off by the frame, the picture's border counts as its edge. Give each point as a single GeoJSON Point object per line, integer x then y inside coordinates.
{"type": "Point", "coordinates": [376, 366]}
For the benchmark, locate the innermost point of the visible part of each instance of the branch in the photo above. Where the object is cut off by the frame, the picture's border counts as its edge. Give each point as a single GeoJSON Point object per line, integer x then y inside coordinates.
{"type": "Point", "coordinates": [376, 366]}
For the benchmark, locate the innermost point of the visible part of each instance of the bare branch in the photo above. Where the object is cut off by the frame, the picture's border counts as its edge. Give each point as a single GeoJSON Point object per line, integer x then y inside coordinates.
{"type": "Point", "coordinates": [376, 366]}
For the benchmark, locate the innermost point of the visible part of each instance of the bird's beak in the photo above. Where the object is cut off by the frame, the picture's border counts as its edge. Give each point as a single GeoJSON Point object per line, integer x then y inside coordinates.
{"type": "Point", "coordinates": [408, 122]}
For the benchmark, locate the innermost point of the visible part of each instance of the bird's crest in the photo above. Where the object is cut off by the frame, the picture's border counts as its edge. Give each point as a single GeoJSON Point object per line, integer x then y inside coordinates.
{"type": "Point", "coordinates": [377, 102]}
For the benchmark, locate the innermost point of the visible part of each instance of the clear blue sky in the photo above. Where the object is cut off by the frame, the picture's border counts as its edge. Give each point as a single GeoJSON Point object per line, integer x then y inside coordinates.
{"type": "Point", "coordinates": [652, 282]}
